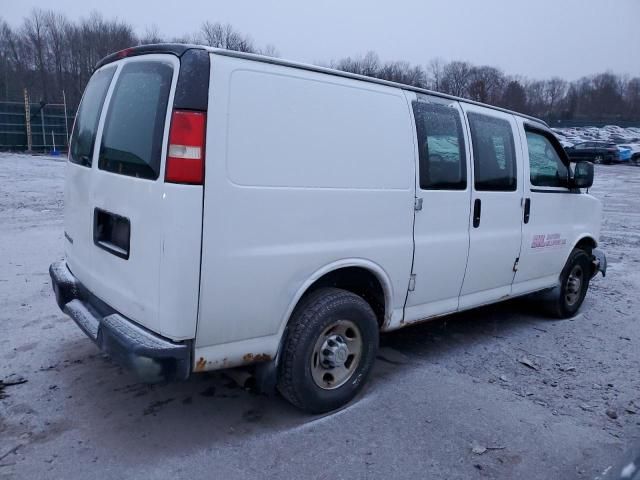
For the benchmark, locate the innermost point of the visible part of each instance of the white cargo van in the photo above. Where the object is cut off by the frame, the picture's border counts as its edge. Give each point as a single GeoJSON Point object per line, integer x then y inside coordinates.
{"type": "Point", "coordinates": [224, 209]}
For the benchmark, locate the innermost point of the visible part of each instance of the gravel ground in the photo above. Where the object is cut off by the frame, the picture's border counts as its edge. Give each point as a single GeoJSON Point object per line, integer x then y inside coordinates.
{"type": "Point", "coordinates": [441, 393]}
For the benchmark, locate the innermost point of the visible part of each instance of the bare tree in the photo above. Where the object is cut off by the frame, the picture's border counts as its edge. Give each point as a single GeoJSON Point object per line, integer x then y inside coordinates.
{"type": "Point", "coordinates": [536, 96]}
{"type": "Point", "coordinates": [486, 84]}
{"type": "Point", "coordinates": [225, 36]}
{"type": "Point", "coordinates": [555, 91]}
{"type": "Point", "coordinates": [192, 38]}
{"type": "Point", "coordinates": [632, 97]}
{"type": "Point", "coordinates": [515, 97]}
{"type": "Point", "coordinates": [55, 26]}
{"type": "Point", "coordinates": [348, 64]}
{"type": "Point", "coordinates": [5, 57]}
{"type": "Point", "coordinates": [403, 72]}
{"type": "Point", "coordinates": [456, 77]}
{"type": "Point", "coordinates": [151, 35]}
{"type": "Point", "coordinates": [606, 94]}
{"type": "Point", "coordinates": [35, 36]}
{"type": "Point", "coordinates": [270, 51]}
{"type": "Point", "coordinates": [435, 69]}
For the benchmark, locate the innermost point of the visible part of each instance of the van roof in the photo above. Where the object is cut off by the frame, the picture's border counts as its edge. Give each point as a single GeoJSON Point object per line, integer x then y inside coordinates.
{"type": "Point", "coordinates": [179, 49]}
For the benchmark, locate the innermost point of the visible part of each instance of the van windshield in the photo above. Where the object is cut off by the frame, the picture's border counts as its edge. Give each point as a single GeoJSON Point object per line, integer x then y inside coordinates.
{"type": "Point", "coordinates": [134, 127]}
{"type": "Point", "coordinates": [83, 137]}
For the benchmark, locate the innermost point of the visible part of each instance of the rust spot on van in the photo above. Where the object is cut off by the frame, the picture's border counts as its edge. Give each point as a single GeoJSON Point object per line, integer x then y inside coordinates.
{"type": "Point", "coordinates": [258, 357]}
{"type": "Point", "coordinates": [200, 364]}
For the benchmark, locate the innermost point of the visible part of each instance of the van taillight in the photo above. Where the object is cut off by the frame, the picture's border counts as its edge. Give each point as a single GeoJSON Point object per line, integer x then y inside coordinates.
{"type": "Point", "coordinates": [185, 157]}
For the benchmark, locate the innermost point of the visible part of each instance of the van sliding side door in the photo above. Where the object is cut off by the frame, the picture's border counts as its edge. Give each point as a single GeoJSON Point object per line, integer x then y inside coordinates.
{"type": "Point", "coordinates": [496, 206]}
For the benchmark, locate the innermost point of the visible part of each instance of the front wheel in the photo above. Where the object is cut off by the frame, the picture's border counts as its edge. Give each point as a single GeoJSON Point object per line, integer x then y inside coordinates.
{"type": "Point", "coordinates": [574, 282]}
{"type": "Point", "coordinates": [598, 159]}
{"type": "Point", "coordinates": [329, 350]}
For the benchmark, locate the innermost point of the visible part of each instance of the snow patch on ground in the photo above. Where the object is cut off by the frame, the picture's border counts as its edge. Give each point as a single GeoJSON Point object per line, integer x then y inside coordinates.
{"type": "Point", "coordinates": [78, 415]}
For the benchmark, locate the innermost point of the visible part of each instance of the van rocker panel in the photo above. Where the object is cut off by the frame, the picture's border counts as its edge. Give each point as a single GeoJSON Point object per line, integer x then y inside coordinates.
{"type": "Point", "coordinates": [151, 357]}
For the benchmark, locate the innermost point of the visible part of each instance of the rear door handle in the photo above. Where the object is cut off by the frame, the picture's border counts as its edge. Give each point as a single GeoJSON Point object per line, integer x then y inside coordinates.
{"type": "Point", "coordinates": [112, 233]}
{"type": "Point", "coordinates": [527, 209]}
{"type": "Point", "coordinates": [477, 210]}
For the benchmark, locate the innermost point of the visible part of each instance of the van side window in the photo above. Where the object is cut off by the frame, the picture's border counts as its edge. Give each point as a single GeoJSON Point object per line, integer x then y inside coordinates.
{"type": "Point", "coordinates": [545, 165]}
{"type": "Point", "coordinates": [83, 137]}
{"type": "Point", "coordinates": [494, 156]}
{"type": "Point", "coordinates": [441, 147]}
{"type": "Point", "coordinates": [134, 128]}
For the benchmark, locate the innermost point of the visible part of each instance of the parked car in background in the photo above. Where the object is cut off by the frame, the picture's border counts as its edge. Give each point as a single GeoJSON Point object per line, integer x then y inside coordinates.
{"type": "Point", "coordinates": [634, 149]}
{"type": "Point", "coordinates": [625, 153]}
{"type": "Point", "coordinates": [596, 152]}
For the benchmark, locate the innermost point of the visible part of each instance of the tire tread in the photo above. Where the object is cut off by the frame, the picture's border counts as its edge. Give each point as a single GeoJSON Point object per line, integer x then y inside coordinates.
{"type": "Point", "coordinates": [306, 312]}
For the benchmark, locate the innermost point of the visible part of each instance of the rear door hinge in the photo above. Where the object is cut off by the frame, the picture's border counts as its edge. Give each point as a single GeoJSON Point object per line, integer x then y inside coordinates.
{"type": "Point", "coordinates": [417, 204]}
{"type": "Point", "coordinates": [515, 264]}
{"type": "Point", "coordinates": [412, 282]}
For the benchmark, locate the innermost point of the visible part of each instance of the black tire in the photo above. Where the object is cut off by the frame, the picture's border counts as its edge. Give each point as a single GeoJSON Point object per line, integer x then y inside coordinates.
{"type": "Point", "coordinates": [316, 313]}
{"type": "Point", "coordinates": [559, 305]}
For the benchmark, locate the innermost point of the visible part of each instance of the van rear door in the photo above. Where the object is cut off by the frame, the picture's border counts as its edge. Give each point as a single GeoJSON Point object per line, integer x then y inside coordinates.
{"type": "Point", "coordinates": [134, 239]}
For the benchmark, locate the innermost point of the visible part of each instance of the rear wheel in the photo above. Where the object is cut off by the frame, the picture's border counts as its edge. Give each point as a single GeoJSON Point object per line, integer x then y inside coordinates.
{"type": "Point", "coordinates": [329, 350]}
{"type": "Point", "coordinates": [598, 159]}
{"type": "Point", "coordinates": [574, 282]}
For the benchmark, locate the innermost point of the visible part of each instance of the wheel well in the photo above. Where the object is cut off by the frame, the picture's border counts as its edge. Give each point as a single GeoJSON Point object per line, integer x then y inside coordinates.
{"type": "Point", "coordinates": [587, 244]}
{"type": "Point", "coordinates": [357, 280]}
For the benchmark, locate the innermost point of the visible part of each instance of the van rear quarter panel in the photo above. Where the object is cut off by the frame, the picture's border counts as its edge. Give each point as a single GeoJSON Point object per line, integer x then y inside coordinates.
{"type": "Point", "coordinates": [303, 170]}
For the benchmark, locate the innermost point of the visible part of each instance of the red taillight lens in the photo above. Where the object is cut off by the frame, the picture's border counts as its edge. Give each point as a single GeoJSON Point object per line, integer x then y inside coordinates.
{"type": "Point", "coordinates": [185, 157]}
{"type": "Point", "coordinates": [124, 53]}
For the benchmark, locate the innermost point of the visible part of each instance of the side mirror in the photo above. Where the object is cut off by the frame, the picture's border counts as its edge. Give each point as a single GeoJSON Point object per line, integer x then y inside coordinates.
{"type": "Point", "coordinates": [582, 175]}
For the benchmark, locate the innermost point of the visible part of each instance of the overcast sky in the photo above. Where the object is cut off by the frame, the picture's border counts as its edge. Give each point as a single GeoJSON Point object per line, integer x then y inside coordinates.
{"type": "Point", "coordinates": [537, 39]}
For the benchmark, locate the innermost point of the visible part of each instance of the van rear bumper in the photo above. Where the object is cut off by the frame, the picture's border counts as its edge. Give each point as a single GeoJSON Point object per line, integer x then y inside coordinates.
{"type": "Point", "coordinates": [151, 357]}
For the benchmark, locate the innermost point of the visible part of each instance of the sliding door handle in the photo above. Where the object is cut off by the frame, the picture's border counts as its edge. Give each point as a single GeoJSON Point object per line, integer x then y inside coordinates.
{"type": "Point", "coordinates": [527, 209]}
{"type": "Point", "coordinates": [477, 211]}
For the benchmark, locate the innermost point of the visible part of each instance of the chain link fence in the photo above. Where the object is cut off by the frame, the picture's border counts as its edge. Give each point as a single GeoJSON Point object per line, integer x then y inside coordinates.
{"type": "Point", "coordinates": [39, 127]}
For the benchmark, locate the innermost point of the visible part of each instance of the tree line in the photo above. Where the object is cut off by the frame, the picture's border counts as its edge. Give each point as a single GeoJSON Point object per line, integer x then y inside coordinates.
{"type": "Point", "coordinates": [49, 53]}
{"type": "Point", "coordinates": [603, 96]}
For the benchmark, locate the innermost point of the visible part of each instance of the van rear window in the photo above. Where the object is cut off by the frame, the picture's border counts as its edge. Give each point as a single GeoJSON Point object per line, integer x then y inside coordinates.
{"type": "Point", "coordinates": [134, 127]}
{"type": "Point", "coordinates": [83, 137]}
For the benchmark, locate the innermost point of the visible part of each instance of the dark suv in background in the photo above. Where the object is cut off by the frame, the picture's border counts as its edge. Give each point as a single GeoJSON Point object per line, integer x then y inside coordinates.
{"type": "Point", "coordinates": [596, 152]}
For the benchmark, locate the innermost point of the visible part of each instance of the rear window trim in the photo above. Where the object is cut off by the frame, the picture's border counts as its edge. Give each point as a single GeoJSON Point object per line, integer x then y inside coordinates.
{"type": "Point", "coordinates": [97, 137]}
{"type": "Point", "coordinates": [165, 57]}
{"type": "Point", "coordinates": [157, 136]}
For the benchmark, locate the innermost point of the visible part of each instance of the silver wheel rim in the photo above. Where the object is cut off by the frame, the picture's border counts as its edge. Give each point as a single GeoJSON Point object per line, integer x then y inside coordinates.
{"type": "Point", "coordinates": [574, 285]}
{"type": "Point", "coordinates": [598, 159]}
{"type": "Point", "coordinates": [336, 354]}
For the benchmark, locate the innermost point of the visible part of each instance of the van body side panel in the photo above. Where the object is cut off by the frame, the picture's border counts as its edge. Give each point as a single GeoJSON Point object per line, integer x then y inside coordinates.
{"type": "Point", "coordinates": [303, 170]}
